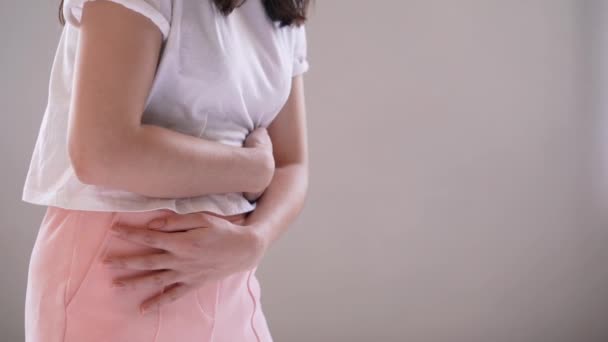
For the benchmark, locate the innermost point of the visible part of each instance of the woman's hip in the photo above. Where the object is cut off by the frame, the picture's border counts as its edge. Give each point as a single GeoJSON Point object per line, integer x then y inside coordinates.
{"type": "Point", "coordinates": [74, 242]}
{"type": "Point", "coordinates": [68, 279]}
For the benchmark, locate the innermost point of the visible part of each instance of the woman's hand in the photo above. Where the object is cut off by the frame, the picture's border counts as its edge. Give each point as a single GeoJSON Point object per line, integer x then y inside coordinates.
{"type": "Point", "coordinates": [258, 138]}
{"type": "Point", "coordinates": [197, 248]}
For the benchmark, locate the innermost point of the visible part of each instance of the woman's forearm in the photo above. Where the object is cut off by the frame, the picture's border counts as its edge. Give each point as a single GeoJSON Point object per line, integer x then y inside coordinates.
{"type": "Point", "coordinates": [280, 204]}
{"type": "Point", "coordinates": [108, 145]}
{"type": "Point", "coordinates": [155, 161]}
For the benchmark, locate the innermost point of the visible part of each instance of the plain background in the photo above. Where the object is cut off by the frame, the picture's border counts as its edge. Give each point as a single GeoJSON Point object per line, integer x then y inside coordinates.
{"type": "Point", "coordinates": [457, 158]}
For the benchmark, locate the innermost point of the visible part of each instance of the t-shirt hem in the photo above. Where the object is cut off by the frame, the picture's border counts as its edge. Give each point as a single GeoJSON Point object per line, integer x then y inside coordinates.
{"type": "Point", "coordinates": [96, 203]}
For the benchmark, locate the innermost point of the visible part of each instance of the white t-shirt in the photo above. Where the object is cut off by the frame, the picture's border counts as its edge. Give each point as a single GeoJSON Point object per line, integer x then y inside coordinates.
{"type": "Point", "coordinates": [219, 77]}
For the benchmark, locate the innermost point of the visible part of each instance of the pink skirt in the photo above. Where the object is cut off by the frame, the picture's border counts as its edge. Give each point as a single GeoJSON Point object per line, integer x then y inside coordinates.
{"type": "Point", "coordinates": [70, 297]}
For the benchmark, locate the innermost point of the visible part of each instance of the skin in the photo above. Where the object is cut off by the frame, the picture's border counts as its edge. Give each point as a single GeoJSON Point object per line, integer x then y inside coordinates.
{"type": "Point", "coordinates": [109, 146]}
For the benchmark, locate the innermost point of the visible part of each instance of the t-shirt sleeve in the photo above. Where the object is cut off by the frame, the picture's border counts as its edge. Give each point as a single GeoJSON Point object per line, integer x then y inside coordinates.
{"type": "Point", "coordinates": [300, 61]}
{"type": "Point", "coordinates": [158, 11]}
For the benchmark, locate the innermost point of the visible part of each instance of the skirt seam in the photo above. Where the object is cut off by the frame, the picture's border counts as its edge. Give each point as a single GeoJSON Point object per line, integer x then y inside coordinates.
{"type": "Point", "coordinates": [99, 250]}
{"type": "Point", "coordinates": [69, 280]}
{"type": "Point", "coordinates": [251, 294]}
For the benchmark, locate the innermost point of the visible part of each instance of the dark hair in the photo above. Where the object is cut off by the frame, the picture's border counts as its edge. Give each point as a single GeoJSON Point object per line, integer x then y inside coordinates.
{"type": "Point", "coordinates": [286, 12]}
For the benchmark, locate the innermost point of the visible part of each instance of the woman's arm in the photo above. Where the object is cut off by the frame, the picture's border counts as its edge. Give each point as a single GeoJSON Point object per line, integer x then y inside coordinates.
{"type": "Point", "coordinates": [212, 248]}
{"type": "Point", "coordinates": [284, 198]}
{"type": "Point", "coordinates": [116, 62]}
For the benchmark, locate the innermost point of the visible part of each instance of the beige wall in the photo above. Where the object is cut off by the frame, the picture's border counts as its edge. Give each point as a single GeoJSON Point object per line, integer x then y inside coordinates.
{"type": "Point", "coordinates": [456, 184]}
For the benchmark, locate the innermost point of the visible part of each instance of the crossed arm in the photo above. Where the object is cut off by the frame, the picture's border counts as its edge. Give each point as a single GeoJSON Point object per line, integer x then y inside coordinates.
{"type": "Point", "coordinates": [109, 146]}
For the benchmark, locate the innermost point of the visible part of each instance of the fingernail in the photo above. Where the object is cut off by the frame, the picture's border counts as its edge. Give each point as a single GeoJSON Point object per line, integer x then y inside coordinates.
{"type": "Point", "coordinates": [150, 307]}
{"type": "Point", "coordinates": [144, 309]}
{"type": "Point", "coordinates": [157, 223]}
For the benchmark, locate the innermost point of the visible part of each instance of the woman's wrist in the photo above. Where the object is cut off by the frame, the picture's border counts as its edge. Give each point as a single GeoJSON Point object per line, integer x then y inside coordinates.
{"type": "Point", "coordinates": [255, 238]}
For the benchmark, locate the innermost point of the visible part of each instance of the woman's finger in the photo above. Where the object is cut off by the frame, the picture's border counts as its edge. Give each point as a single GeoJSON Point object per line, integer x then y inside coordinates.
{"type": "Point", "coordinates": [253, 196]}
{"type": "Point", "coordinates": [171, 294]}
{"type": "Point", "coordinates": [180, 222]}
{"type": "Point", "coordinates": [156, 261]}
{"type": "Point", "coordinates": [149, 237]}
{"type": "Point", "coordinates": [156, 279]}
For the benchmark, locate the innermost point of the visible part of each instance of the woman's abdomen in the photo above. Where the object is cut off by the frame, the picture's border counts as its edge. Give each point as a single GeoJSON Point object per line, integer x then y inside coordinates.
{"type": "Point", "coordinates": [70, 296]}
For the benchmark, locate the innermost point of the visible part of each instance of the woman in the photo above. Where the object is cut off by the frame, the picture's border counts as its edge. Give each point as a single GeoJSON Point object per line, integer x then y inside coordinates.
{"type": "Point", "coordinates": [171, 155]}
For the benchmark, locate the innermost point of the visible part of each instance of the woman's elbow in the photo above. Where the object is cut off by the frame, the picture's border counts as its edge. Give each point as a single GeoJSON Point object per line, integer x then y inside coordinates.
{"type": "Point", "coordinates": [92, 159]}
{"type": "Point", "coordinates": [84, 161]}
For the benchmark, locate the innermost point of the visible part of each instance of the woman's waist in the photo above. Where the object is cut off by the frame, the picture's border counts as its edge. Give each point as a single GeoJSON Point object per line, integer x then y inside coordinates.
{"type": "Point", "coordinates": [233, 207]}
{"type": "Point", "coordinates": [143, 218]}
